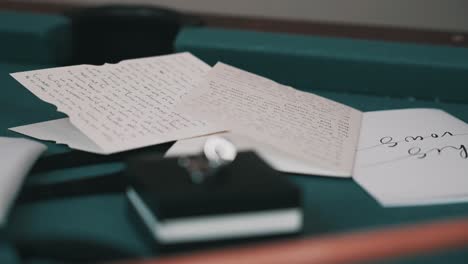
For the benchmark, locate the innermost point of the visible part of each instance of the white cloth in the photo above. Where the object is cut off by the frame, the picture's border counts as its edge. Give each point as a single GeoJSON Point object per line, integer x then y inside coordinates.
{"type": "Point", "coordinates": [17, 156]}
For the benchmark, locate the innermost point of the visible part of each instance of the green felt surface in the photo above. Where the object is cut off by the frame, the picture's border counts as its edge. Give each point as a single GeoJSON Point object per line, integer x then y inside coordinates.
{"type": "Point", "coordinates": [34, 38]}
{"type": "Point", "coordinates": [8, 253]}
{"type": "Point", "coordinates": [337, 64]}
{"type": "Point", "coordinates": [100, 227]}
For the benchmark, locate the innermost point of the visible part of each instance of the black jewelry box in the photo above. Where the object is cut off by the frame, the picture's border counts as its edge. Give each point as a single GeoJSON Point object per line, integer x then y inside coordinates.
{"type": "Point", "coordinates": [244, 199]}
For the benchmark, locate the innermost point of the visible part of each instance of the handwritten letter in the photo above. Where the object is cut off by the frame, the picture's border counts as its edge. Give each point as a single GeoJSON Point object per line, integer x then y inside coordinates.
{"type": "Point", "coordinates": [126, 105]}
{"type": "Point", "coordinates": [413, 156]}
{"type": "Point", "coordinates": [309, 127]}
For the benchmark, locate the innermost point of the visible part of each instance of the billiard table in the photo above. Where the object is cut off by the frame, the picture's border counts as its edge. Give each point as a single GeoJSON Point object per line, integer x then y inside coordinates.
{"type": "Point", "coordinates": [365, 74]}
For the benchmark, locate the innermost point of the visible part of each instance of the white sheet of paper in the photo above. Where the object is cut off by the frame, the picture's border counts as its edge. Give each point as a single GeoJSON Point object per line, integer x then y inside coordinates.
{"type": "Point", "coordinates": [17, 156]}
{"type": "Point", "coordinates": [126, 105]}
{"type": "Point", "coordinates": [319, 131]}
{"type": "Point", "coordinates": [62, 132]}
{"type": "Point", "coordinates": [276, 158]}
{"type": "Point", "coordinates": [413, 157]}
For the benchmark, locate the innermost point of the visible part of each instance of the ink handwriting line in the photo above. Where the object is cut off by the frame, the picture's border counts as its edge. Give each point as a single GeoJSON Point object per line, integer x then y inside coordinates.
{"type": "Point", "coordinates": [388, 141]}
{"type": "Point", "coordinates": [418, 153]}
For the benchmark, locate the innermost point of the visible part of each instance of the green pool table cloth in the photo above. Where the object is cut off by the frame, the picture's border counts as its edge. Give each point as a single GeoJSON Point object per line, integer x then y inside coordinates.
{"type": "Point", "coordinates": [367, 75]}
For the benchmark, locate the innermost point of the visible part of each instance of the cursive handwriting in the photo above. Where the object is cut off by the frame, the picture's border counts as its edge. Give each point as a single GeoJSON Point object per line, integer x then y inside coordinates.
{"type": "Point", "coordinates": [389, 141]}
{"type": "Point", "coordinates": [418, 153]}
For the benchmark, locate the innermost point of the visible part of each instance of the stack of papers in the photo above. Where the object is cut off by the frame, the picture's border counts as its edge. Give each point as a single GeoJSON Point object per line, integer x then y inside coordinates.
{"type": "Point", "coordinates": [401, 157]}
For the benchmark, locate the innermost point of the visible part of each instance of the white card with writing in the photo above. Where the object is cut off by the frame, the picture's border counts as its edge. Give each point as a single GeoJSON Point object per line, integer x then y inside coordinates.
{"type": "Point", "coordinates": [126, 105]}
{"type": "Point", "coordinates": [413, 157]}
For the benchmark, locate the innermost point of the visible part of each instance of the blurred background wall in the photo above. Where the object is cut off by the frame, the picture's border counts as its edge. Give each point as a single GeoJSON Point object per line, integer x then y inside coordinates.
{"type": "Point", "coordinates": [444, 15]}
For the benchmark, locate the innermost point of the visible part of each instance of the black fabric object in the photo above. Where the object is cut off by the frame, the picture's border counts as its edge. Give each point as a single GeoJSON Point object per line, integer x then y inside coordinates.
{"type": "Point", "coordinates": [98, 184]}
{"type": "Point", "coordinates": [247, 184]}
{"type": "Point", "coordinates": [109, 34]}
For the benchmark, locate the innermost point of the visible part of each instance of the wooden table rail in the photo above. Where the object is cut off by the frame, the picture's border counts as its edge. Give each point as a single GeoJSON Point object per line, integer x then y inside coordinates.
{"type": "Point", "coordinates": [354, 247]}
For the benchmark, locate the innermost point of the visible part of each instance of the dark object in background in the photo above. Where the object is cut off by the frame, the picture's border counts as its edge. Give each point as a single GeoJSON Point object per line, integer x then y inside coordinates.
{"type": "Point", "coordinates": [114, 33]}
{"type": "Point", "coordinates": [245, 199]}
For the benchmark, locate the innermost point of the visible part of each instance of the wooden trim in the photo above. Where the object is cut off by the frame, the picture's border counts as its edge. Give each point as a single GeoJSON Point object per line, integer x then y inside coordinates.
{"type": "Point", "coordinates": [37, 6]}
{"type": "Point", "coordinates": [340, 30]}
{"type": "Point", "coordinates": [459, 39]}
{"type": "Point", "coordinates": [356, 247]}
